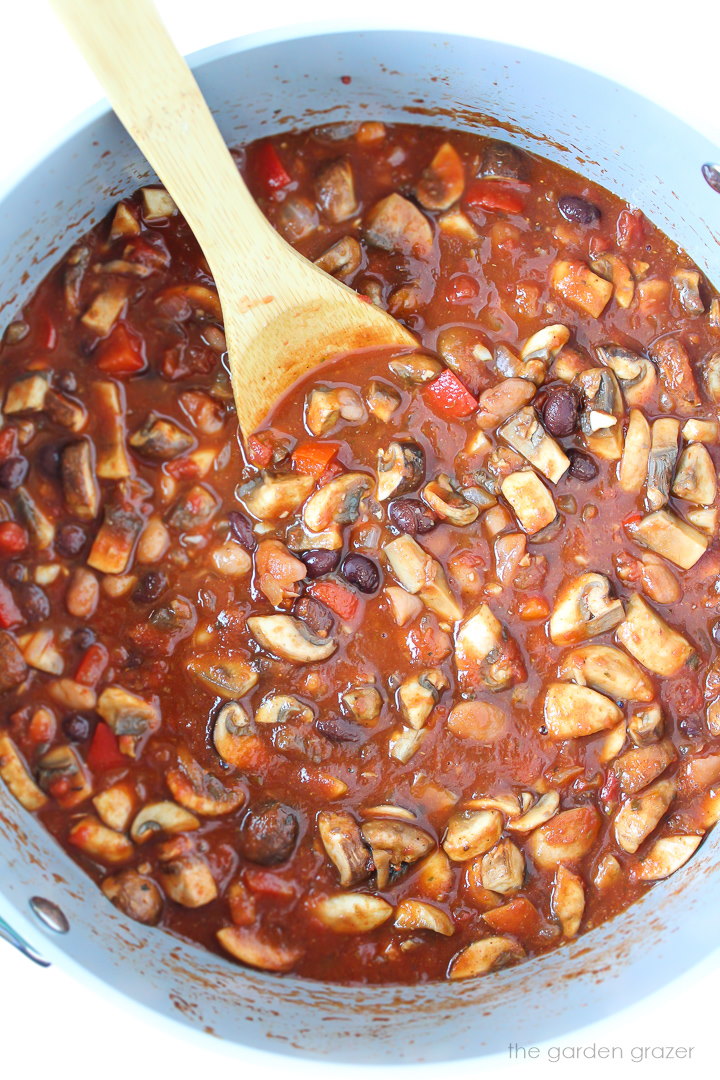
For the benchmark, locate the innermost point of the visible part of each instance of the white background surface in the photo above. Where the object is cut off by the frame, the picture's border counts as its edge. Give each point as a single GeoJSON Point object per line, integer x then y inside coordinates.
{"type": "Point", "coordinates": [51, 1025]}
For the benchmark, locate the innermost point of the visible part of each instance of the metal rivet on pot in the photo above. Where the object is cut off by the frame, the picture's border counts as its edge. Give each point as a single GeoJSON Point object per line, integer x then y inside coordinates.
{"type": "Point", "coordinates": [712, 175]}
{"type": "Point", "coordinates": [49, 915]}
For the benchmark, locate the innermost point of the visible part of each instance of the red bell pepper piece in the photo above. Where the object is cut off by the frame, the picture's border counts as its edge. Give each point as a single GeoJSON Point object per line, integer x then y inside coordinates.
{"type": "Point", "coordinates": [8, 443]}
{"type": "Point", "coordinates": [92, 665]}
{"type": "Point", "coordinates": [497, 195]}
{"type": "Point", "coordinates": [13, 538]}
{"type": "Point", "coordinates": [446, 394]}
{"type": "Point", "coordinates": [314, 458]}
{"type": "Point", "coordinates": [268, 169]}
{"type": "Point", "coordinates": [343, 601]}
{"type": "Point", "coordinates": [104, 752]}
{"type": "Point", "coordinates": [630, 229]}
{"type": "Point", "coordinates": [10, 614]}
{"type": "Point", "coordinates": [268, 884]}
{"type": "Point", "coordinates": [121, 353]}
{"type": "Point", "coordinates": [183, 469]}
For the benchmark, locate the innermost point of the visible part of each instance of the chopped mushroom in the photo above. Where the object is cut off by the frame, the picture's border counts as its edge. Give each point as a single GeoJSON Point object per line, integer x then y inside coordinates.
{"type": "Point", "coordinates": [502, 869]}
{"type": "Point", "coordinates": [235, 741]}
{"type": "Point", "coordinates": [418, 572]}
{"type": "Point", "coordinates": [290, 638]}
{"type": "Point", "coordinates": [115, 540]}
{"type": "Point", "coordinates": [687, 287]}
{"type": "Point", "coordinates": [531, 502]}
{"type": "Point", "coordinates": [404, 743]}
{"type": "Point", "coordinates": [325, 407]}
{"type": "Point", "coordinates": [580, 287]}
{"type": "Point", "coordinates": [106, 308]}
{"type": "Point", "coordinates": [666, 856]}
{"type": "Point", "coordinates": [341, 837]}
{"type": "Point", "coordinates": [584, 609]}
{"type": "Point", "coordinates": [501, 401]}
{"type": "Point", "coordinates": [394, 224]}
{"type": "Point", "coordinates": [42, 529]}
{"type": "Point", "coordinates": [394, 844]}
{"type": "Point", "coordinates": [112, 462]}
{"type": "Point", "coordinates": [337, 502]}
{"type": "Point", "coordinates": [526, 434]}
{"type": "Point", "coordinates": [572, 711]}
{"type": "Point", "coordinates": [416, 368]}
{"type": "Point", "coordinates": [383, 400]}
{"type": "Point", "coordinates": [162, 817]}
{"type": "Point", "coordinates": [246, 945]}
{"type": "Point", "coordinates": [279, 708]}
{"type": "Point", "coordinates": [568, 901]}
{"type": "Point", "coordinates": [130, 717]}
{"type": "Point", "coordinates": [352, 913]}
{"type": "Point", "coordinates": [136, 895]}
{"type": "Point", "coordinates": [471, 833]}
{"type": "Point", "coordinates": [274, 497]}
{"type": "Point", "coordinates": [115, 806]}
{"type": "Point", "coordinates": [342, 259]}
{"type": "Point", "coordinates": [157, 204]}
{"type": "Point", "coordinates": [711, 376]}
{"type": "Point", "coordinates": [161, 439]}
{"type": "Point", "coordinates": [636, 374]}
{"type": "Point", "coordinates": [185, 875]}
{"type": "Point", "coordinates": [479, 720]}
{"type": "Point", "coordinates": [651, 641]}
{"type": "Point", "coordinates": [608, 670]}
{"type": "Point", "coordinates": [419, 694]}
{"type": "Point", "coordinates": [335, 187]}
{"type": "Point", "coordinates": [695, 479]}
{"type": "Point", "coordinates": [668, 535]}
{"type": "Point", "coordinates": [641, 814]}
{"type": "Point", "coordinates": [100, 843]}
{"type": "Point", "coordinates": [545, 808]}
{"type": "Point", "coordinates": [199, 791]}
{"type": "Point", "coordinates": [62, 774]}
{"type": "Point", "coordinates": [417, 915]}
{"type": "Point", "coordinates": [633, 468]}
{"type": "Point", "coordinates": [80, 486]}
{"type": "Point", "coordinates": [488, 954]}
{"type": "Point", "coordinates": [228, 677]}
{"type": "Point", "coordinates": [637, 768]}
{"type": "Point", "coordinates": [566, 838]}
{"type": "Point", "coordinates": [602, 412]}
{"type": "Point", "coordinates": [26, 394]}
{"type": "Point", "coordinates": [17, 776]}
{"type": "Point", "coordinates": [443, 181]}
{"type": "Point", "coordinates": [485, 653]}
{"type": "Point", "coordinates": [662, 461]}
{"type": "Point", "coordinates": [615, 270]}
{"type": "Point", "coordinates": [400, 468]}
{"type": "Point", "coordinates": [364, 703]}
{"type": "Point", "coordinates": [678, 389]}
{"type": "Point", "coordinates": [447, 503]}
{"type": "Point", "coordinates": [646, 726]}
{"type": "Point", "coordinates": [701, 431]}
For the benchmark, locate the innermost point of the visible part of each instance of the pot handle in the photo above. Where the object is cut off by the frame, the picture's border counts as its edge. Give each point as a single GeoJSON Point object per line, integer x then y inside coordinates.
{"type": "Point", "coordinates": [8, 934]}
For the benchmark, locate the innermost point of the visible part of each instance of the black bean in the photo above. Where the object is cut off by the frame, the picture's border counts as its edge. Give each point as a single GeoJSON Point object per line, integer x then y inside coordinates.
{"type": "Point", "coordinates": [83, 638]}
{"type": "Point", "coordinates": [361, 572]}
{"type": "Point", "coordinates": [48, 460]}
{"type": "Point", "coordinates": [13, 472]}
{"type": "Point", "coordinates": [582, 466]}
{"type": "Point", "coordinates": [15, 573]}
{"type": "Point", "coordinates": [268, 834]}
{"type": "Point", "coordinates": [67, 382]}
{"type": "Point", "coordinates": [411, 516]}
{"type": "Point", "coordinates": [335, 729]}
{"type": "Point", "coordinates": [242, 530]}
{"type": "Point", "coordinates": [150, 587]}
{"type": "Point", "coordinates": [70, 540]}
{"type": "Point", "coordinates": [574, 208]}
{"type": "Point", "coordinates": [33, 602]}
{"type": "Point", "coordinates": [318, 617]}
{"type": "Point", "coordinates": [560, 411]}
{"type": "Point", "coordinates": [76, 727]}
{"type": "Point", "coordinates": [320, 561]}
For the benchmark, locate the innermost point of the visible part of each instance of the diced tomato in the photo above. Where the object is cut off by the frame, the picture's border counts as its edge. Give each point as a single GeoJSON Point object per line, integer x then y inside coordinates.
{"type": "Point", "coordinates": [13, 538]}
{"type": "Point", "coordinates": [461, 288]}
{"type": "Point", "coordinates": [122, 353]}
{"type": "Point", "coordinates": [506, 196]}
{"type": "Point", "coordinates": [183, 469]}
{"type": "Point", "coordinates": [599, 244]}
{"type": "Point", "coordinates": [610, 791]}
{"type": "Point", "coordinates": [518, 917]}
{"type": "Point", "coordinates": [92, 665]}
{"type": "Point", "coordinates": [339, 598]}
{"type": "Point", "coordinates": [10, 614]}
{"type": "Point", "coordinates": [104, 752]}
{"type": "Point", "coordinates": [269, 884]}
{"type": "Point", "coordinates": [8, 443]}
{"type": "Point", "coordinates": [259, 451]}
{"type": "Point", "coordinates": [630, 229]}
{"type": "Point", "coordinates": [314, 458]}
{"type": "Point", "coordinates": [268, 170]}
{"type": "Point", "coordinates": [446, 394]}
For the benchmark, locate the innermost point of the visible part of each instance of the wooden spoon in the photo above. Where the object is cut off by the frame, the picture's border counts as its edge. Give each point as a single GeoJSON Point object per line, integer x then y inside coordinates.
{"type": "Point", "coordinates": [282, 314]}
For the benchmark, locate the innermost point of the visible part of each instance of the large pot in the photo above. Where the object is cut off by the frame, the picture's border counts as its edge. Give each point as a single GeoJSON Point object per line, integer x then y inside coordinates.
{"type": "Point", "coordinates": [260, 86]}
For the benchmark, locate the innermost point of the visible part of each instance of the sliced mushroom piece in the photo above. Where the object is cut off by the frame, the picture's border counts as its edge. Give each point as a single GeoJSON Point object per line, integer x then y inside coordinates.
{"type": "Point", "coordinates": [290, 639]}
{"type": "Point", "coordinates": [419, 694]}
{"type": "Point", "coordinates": [478, 720]}
{"type": "Point", "coordinates": [363, 703]}
{"type": "Point", "coordinates": [400, 468]}
{"type": "Point", "coordinates": [580, 287]}
{"type": "Point", "coordinates": [615, 270]}
{"type": "Point", "coordinates": [646, 726]}
{"type": "Point", "coordinates": [633, 468]}
{"type": "Point", "coordinates": [687, 287]}
{"type": "Point", "coordinates": [545, 808]}
{"type": "Point", "coordinates": [40, 526]}
{"type": "Point", "coordinates": [40, 651]}
{"type": "Point", "coordinates": [228, 677]}
{"type": "Point", "coordinates": [98, 842]}
{"type": "Point", "coordinates": [115, 806]}
{"type": "Point", "coordinates": [335, 189]}
{"type": "Point", "coordinates": [326, 406]}
{"type": "Point", "coordinates": [608, 875]}
{"type": "Point", "coordinates": [531, 502]}
{"type": "Point", "coordinates": [678, 388]}
{"type": "Point", "coordinates": [449, 505]}
{"type": "Point", "coordinates": [418, 572]}
{"type": "Point", "coordinates": [275, 497]}
{"type": "Point", "coordinates": [185, 876]}
{"type": "Point", "coordinates": [112, 462]}
{"type": "Point", "coordinates": [507, 804]}
{"type": "Point", "coordinates": [17, 776]}
{"type": "Point", "coordinates": [568, 901]}
{"type": "Point", "coordinates": [404, 743]}
{"type": "Point", "coordinates": [415, 369]}
{"type": "Point", "coordinates": [352, 913]}
{"type": "Point", "coordinates": [488, 954]}
{"type": "Point", "coordinates": [443, 181]}
{"type": "Point", "coordinates": [417, 915]}
{"type": "Point", "coordinates": [162, 817]}
{"type": "Point", "coordinates": [704, 518]}
{"type": "Point", "coordinates": [666, 856]}
{"type": "Point", "coordinates": [711, 376]}
{"type": "Point", "coordinates": [157, 203]}
{"type": "Point", "coordinates": [502, 870]}
{"type": "Point", "coordinates": [502, 161]}
{"type": "Point", "coordinates": [701, 431]}
{"type": "Point", "coordinates": [583, 609]}
{"type": "Point", "coordinates": [502, 400]}
{"type": "Point", "coordinates": [567, 837]}
{"type": "Point", "coordinates": [199, 791]}
{"type": "Point", "coordinates": [344, 846]}
{"type": "Point", "coordinates": [337, 502]}
{"type": "Point", "coordinates": [342, 259]}
{"type": "Point", "coordinates": [136, 895]}
{"type": "Point", "coordinates": [608, 670]}
{"type": "Point", "coordinates": [485, 653]}
{"type": "Point", "coordinates": [668, 535]}
{"type": "Point", "coordinates": [571, 711]}
{"type": "Point", "coordinates": [471, 833]}
{"type": "Point", "coordinates": [62, 774]}
{"type": "Point", "coordinates": [383, 400]}
{"type": "Point", "coordinates": [130, 717]}
{"type": "Point", "coordinates": [395, 224]}
{"type": "Point", "coordinates": [641, 814]}
{"type": "Point", "coordinates": [458, 225]}
{"type": "Point", "coordinates": [161, 439]}
{"type": "Point", "coordinates": [247, 946]}
{"type": "Point", "coordinates": [106, 308]}
{"type": "Point", "coordinates": [26, 394]}
{"type": "Point", "coordinates": [279, 708]}
{"type": "Point", "coordinates": [525, 433]}
{"type": "Point", "coordinates": [235, 741]}
{"type": "Point", "coordinates": [602, 412]}
{"type": "Point", "coordinates": [662, 461]}
{"type": "Point", "coordinates": [637, 768]}
{"type": "Point", "coordinates": [651, 641]}
{"type": "Point", "coordinates": [80, 486]}
{"type": "Point", "coordinates": [394, 843]}
{"type": "Point", "coordinates": [636, 374]}
{"type": "Point", "coordinates": [695, 479]}
{"type": "Point", "coordinates": [115, 540]}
